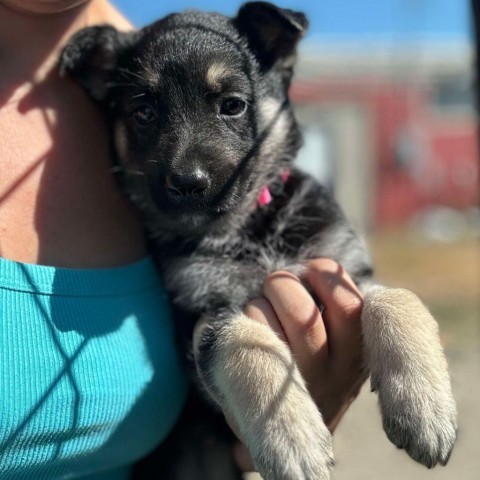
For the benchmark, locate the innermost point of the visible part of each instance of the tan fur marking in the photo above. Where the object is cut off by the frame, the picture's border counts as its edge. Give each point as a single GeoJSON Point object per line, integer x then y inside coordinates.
{"type": "Point", "coordinates": [270, 108]}
{"type": "Point", "coordinates": [214, 75]}
{"type": "Point", "coordinates": [265, 394]}
{"type": "Point", "coordinates": [409, 371]}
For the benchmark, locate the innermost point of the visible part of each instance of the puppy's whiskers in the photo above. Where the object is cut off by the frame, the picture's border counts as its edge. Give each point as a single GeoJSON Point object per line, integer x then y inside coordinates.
{"type": "Point", "coordinates": [132, 75]}
{"type": "Point", "coordinates": [119, 84]}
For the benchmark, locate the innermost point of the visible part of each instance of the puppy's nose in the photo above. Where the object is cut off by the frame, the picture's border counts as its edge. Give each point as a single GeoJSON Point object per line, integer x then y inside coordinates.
{"type": "Point", "coordinates": [193, 184]}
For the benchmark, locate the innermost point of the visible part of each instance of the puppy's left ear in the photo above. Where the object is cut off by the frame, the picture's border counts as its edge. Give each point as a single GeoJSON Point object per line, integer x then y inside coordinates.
{"type": "Point", "coordinates": [91, 56]}
{"type": "Point", "coordinates": [272, 32]}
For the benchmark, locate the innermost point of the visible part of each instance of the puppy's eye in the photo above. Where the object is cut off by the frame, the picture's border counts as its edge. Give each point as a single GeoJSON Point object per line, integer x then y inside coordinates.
{"type": "Point", "coordinates": [144, 115]}
{"type": "Point", "coordinates": [233, 106]}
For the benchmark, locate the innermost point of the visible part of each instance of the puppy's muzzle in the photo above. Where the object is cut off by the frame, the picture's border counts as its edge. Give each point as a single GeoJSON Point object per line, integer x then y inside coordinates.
{"type": "Point", "coordinates": [194, 184]}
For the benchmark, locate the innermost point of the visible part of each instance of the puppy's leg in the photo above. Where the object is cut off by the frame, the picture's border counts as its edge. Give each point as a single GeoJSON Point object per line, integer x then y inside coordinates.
{"type": "Point", "coordinates": [409, 371]}
{"type": "Point", "coordinates": [251, 373]}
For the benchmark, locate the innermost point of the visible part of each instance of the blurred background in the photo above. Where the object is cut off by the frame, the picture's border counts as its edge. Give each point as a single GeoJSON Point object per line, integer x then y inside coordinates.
{"type": "Point", "coordinates": [383, 90]}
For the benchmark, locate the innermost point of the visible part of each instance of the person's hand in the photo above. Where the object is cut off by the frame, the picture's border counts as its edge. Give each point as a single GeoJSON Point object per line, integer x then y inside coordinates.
{"type": "Point", "coordinates": [325, 342]}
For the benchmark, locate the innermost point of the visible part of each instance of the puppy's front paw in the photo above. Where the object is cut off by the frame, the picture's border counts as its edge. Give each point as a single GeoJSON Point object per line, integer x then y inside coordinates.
{"type": "Point", "coordinates": [294, 444]}
{"type": "Point", "coordinates": [419, 417]}
{"type": "Point", "coordinates": [409, 371]}
{"type": "Point", "coordinates": [253, 376]}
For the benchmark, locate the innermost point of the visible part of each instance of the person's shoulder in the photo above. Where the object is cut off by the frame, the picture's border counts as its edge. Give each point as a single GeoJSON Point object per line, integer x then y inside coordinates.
{"type": "Point", "coordinates": [114, 17]}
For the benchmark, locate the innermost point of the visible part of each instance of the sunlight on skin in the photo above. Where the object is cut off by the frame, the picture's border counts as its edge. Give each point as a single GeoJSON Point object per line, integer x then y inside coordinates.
{"type": "Point", "coordinates": [10, 189]}
{"type": "Point", "coordinates": [60, 205]}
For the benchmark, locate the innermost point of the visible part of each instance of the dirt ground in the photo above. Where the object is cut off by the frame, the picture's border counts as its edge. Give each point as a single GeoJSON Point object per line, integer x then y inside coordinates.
{"type": "Point", "coordinates": [447, 278]}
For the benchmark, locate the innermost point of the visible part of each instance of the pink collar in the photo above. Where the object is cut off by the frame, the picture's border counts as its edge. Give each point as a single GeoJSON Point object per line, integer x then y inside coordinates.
{"type": "Point", "coordinates": [265, 197]}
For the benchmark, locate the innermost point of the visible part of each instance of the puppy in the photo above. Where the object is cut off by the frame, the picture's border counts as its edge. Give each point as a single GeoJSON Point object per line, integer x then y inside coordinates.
{"type": "Point", "coordinates": [204, 136]}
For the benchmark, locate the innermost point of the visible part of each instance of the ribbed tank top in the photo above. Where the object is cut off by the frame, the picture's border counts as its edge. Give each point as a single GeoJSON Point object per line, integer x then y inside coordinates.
{"type": "Point", "coordinates": [90, 380]}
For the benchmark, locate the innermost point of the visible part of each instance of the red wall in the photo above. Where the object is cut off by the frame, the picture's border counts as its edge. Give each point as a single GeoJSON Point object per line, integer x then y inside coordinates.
{"type": "Point", "coordinates": [443, 168]}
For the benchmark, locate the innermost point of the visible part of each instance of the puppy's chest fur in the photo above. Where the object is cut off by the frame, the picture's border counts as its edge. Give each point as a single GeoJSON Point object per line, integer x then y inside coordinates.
{"type": "Point", "coordinates": [225, 270]}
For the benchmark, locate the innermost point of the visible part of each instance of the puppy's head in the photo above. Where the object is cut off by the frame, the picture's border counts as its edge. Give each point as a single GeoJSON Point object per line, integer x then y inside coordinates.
{"type": "Point", "coordinates": [197, 105]}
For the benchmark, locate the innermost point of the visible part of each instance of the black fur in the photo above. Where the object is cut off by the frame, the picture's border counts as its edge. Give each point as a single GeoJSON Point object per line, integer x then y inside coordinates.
{"type": "Point", "coordinates": [195, 171]}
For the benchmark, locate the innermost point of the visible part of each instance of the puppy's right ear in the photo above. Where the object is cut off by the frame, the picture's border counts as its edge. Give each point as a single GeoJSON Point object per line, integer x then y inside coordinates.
{"type": "Point", "coordinates": [91, 56]}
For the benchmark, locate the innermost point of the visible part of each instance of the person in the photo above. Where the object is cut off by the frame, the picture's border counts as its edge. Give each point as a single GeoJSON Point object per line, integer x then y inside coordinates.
{"type": "Point", "coordinates": [90, 380]}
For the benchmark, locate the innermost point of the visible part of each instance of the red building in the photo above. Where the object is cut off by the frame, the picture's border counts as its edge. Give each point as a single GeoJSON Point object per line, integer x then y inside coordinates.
{"type": "Point", "coordinates": [420, 133]}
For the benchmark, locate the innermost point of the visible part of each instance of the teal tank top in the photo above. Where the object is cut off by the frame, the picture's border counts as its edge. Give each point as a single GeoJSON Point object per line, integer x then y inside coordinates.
{"type": "Point", "coordinates": [90, 380]}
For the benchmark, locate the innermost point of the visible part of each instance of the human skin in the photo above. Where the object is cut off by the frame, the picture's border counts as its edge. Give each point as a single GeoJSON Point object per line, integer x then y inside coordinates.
{"type": "Point", "coordinates": [60, 206]}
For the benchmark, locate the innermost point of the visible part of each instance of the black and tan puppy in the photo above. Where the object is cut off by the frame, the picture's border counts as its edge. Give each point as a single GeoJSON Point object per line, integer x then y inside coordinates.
{"type": "Point", "coordinates": [205, 137]}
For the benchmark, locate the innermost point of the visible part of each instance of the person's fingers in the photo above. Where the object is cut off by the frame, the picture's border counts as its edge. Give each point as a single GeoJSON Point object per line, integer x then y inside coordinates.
{"type": "Point", "coordinates": [342, 303]}
{"type": "Point", "coordinates": [300, 318]}
{"type": "Point", "coordinates": [261, 310]}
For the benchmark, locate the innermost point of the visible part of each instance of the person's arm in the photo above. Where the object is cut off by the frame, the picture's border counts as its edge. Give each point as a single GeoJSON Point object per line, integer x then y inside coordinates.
{"type": "Point", "coordinates": [326, 344]}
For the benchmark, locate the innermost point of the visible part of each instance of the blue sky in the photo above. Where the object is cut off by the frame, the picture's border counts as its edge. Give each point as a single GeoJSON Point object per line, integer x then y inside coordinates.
{"type": "Point", "coordinates": [384, 20]}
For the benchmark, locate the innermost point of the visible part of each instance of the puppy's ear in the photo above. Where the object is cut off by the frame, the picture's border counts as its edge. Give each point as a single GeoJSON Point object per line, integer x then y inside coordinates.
{"type": "Point", "coordinates": [272, 32]}
{"type": "Point", "coordinates": [91, 56]}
